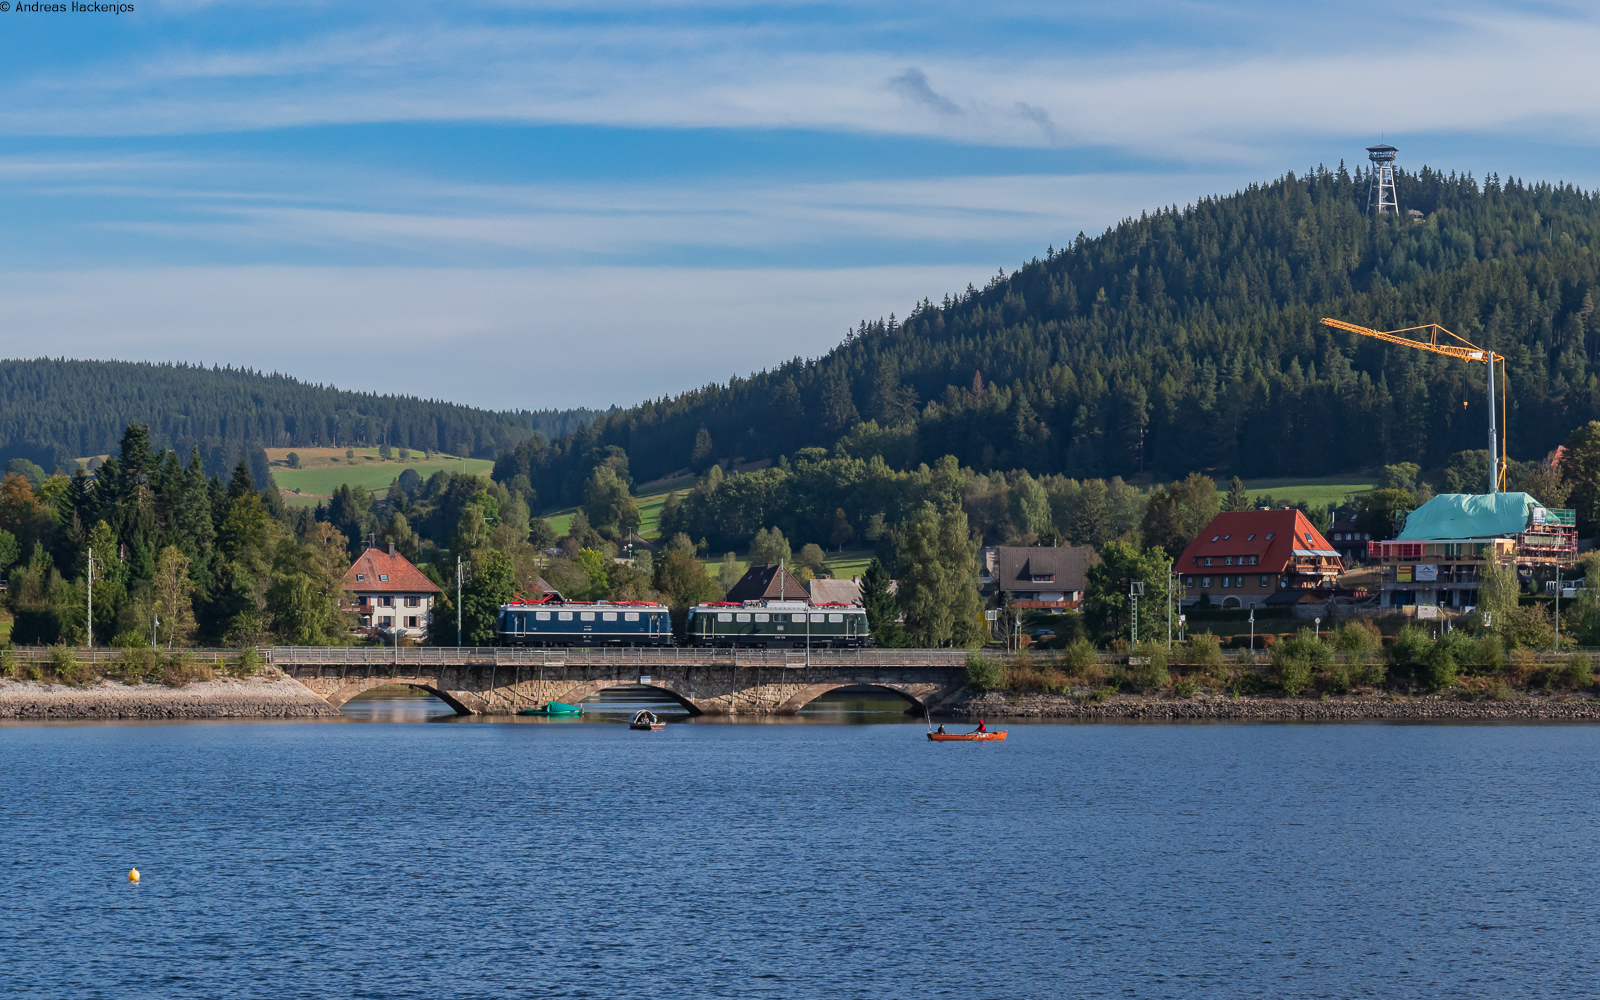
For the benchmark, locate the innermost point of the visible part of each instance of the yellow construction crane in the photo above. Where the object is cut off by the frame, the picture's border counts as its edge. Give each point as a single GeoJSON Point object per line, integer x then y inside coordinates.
{"type": "Point", "coordinates": [1471, 352]}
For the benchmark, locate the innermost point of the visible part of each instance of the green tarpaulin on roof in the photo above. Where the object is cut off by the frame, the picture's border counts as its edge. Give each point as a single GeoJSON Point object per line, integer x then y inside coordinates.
{"type": "Point", "coordinates": [1469, 515]}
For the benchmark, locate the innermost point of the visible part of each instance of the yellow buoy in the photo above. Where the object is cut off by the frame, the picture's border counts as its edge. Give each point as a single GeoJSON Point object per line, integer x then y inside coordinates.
{"type": "Point", "coordinates": [133, 874]}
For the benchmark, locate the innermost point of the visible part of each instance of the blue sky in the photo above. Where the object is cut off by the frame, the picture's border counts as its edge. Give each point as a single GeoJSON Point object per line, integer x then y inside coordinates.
{"type": "Point", "coordinates": [544, 204]}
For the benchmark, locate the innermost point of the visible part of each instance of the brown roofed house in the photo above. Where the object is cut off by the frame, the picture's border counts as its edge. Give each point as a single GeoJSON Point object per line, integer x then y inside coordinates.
{"type": "Point", "coordinates": [771, 582]}
{"type": "Point", "coordinates": [390, 593]}
{"type": "Point", "coordinates": [1041, 577]}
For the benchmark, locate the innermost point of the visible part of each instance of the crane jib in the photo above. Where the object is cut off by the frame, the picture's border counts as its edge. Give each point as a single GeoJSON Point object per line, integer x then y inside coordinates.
{"type": "Point", "coordinates": [1471, 352]}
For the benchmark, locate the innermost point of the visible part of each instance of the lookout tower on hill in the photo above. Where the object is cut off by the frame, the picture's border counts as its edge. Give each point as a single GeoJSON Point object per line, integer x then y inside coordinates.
{"type": "Point", "coordinates": [1382, 198]}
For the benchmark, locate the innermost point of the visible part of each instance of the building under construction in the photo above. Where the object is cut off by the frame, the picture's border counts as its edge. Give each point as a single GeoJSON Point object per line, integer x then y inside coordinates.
{"type": "Point", "coordinates": [1437, 559]}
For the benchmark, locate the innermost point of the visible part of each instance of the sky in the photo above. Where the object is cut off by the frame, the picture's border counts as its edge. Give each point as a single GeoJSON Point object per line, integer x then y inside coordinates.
{"type": "Point", "coordinates": [543, 204]}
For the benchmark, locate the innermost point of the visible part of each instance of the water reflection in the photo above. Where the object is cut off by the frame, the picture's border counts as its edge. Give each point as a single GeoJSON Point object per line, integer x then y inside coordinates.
{"type": "Point", "coordinates": [396, 703]}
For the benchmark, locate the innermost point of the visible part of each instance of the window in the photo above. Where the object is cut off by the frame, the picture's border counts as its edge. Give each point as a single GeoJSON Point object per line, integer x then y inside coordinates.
{"type": "Point", "coordinates": [587, 616]}
{"type": "Point", "coordinates": [413, 602]}
{"type": "Point", "coordinates": [1208, 560]}
{"type": "Point", "coordinates": [411, 621]}
{"type": "Point", "coordinates": [1266, 581]}
{"type": "Point", "coordinates": [1226, 581]}
{"type": "Point", "coordinates": [361, 577]}
{"type": "Point", "coordinates": [724, 616]}
{"type": "Point", "coordinates": [819, 618]}
{"type": "Point", "coordinates": [1238, 581]}
{"type": "Point", "coordinates": [543, 616]}
{"type": "Point", "coordinates": [1270, 534]}
{"type": "Point", "coordinates": [1226, 537]}
{"type": "Point", "coordinates": [387, 621]}
{"type": "Point", "coordinates": [835, 618]}
{"type": "Point", "coordinates": [741, 617]}
{"type": "Point", "coordinates": [1216, 538]}
{"type": "Point", "coordinates": [1043, 578]}
{"type": "Point", "coordinates": [799, 618]}
{"type": "Point", "coordinates": [1205, 581]}
{"type": "Point", "coordinates": [1227, 560]}
{"type": "Point", "coordinates": [363, 600]}
{"type": "Point", "coordinates": [385, 602]}
{"type": "Point", "coordinates": [565, 616]}
{"type": "Point", "coordinates": [608, 616]}
{"type": "Point", "coordinates": [383, 577]}
{"type": "Point", "coordinates": [630, 616]}
{"type": "Point", "coordinates": [1308, 538]}
{"type": "Point", "coordinates": [1250, 538]}
{"type": "Point", "coordinates": [1252, 560]}
{"type": "Point", "coordinates": [763, 618]}
{"type": "Point", "coordinates": [1188, 581]}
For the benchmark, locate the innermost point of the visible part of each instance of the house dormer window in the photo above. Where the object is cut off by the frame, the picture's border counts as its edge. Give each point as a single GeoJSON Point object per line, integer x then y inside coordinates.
{"type": "Point", "coordinates": [384, 577]}
{"type": "Point", "coordinates": [1308, 538]}
{"type": "Point", "coordinates": [1043, 578]}
{"type": "Point", "coordinates": [361, 577]}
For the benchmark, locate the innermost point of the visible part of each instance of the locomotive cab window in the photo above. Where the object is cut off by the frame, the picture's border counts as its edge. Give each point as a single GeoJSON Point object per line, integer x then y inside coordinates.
{"type": "Point", "coordinates": [587, 616]}
{"type": "Point", "coordinates": [819, 618]}
{"type": "Point", "coordinates": [565, 616]}
{"type": "Point", "coordinates": [724, 616]}
{"type": "Point", "coordinates": [541, 616]}
{"type": "Point", "coordinates": [608, 616]}
{"type": "Point", "coordinates": [763, 618]}
{"type": "Point", "coordinates": [741, 617]}
{"type": "Point", "coordinates": [630, 616]}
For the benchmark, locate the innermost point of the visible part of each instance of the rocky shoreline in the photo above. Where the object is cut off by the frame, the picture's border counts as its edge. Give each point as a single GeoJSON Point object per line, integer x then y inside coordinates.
{"type": "Point", "coordinates": [1203, 707]}
{"type": "Point", "coordinates": [270, 696]}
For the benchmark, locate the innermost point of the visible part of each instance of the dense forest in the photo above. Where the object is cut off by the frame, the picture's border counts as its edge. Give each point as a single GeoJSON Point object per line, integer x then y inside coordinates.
{"type": "Point", "coordinates": [55, 410]}
{"type": "Point", "coordinates": [1187, 339]}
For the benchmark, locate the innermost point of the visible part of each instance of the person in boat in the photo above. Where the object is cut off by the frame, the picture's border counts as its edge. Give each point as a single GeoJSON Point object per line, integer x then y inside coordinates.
{"type": "Point", "coordinates": [982, 727]}
{"type": "Point", "coordinates": [941, 729]}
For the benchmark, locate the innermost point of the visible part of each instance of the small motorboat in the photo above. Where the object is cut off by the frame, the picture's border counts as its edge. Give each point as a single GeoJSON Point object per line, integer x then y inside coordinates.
{"type": "Point", "coordinates": [967, 737]}
{"type": "Point", "coordinates": [646, 721]}
{"type": "Point", "coordinates": [554, 708]}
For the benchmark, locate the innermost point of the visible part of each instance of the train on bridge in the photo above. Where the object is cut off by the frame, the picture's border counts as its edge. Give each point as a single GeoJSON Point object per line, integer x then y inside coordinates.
{"type": "Point", "coordinates": [554, 621]}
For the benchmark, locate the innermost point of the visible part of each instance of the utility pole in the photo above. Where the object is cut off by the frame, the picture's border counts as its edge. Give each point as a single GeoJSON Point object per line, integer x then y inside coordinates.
{"type": "Point", "coordinates": [458, 602]}
{"type": "Point", "coordinates": [155, 625]}
{"type": "Point", "coordinates": [91, 599]}
{"type": "Point", "coordinates": [1170, 578]}
{"type": "Point", "coordinates": [1252, 634]}
{"type": "Point", "coordinates": [1558, 605]}
{"type": "Point", "coordinates": [1135, 591]}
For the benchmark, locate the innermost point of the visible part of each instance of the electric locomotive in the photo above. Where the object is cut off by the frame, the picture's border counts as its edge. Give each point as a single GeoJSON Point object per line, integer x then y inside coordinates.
{"type": "Point", "coordinates": [778, 625]}
{"type": "Point", "coordinates": [552, 621]}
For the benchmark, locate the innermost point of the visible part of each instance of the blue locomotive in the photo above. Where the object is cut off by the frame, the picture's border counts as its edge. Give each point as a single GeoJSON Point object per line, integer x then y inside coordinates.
{"type": "Point", "coordinates": [554, 622]}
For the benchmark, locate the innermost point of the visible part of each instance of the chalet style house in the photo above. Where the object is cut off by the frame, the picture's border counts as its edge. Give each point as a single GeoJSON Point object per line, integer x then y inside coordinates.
{"type": "Point", "coordinates": [1257, 558]}
{"type": "Point", "coordinates": [1038, 578]}
{"type": "Point", "coordinates": [391, 594]}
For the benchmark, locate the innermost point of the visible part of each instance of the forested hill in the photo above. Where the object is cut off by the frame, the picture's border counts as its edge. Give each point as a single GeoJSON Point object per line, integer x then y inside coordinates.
{"type": "Point", "coordinates": [54, 410]}
{"type": "Point", "coordinates": [1188, 339]}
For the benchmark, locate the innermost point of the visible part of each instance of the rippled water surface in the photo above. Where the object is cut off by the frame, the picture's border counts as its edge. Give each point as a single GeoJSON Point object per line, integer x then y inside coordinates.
{"type": "Point", "coordinates": [580, 859]}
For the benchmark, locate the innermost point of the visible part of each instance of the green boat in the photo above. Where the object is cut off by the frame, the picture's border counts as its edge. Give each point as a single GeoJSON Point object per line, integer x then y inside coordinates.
{"type": "Point", "coordinates": [554, 708]}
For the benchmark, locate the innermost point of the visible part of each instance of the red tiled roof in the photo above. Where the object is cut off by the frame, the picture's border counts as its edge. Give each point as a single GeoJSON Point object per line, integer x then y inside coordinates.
{"type": "Point", "coordinates": [1272, 536]}
{"type": "Point", "coordinates": [375, 564]}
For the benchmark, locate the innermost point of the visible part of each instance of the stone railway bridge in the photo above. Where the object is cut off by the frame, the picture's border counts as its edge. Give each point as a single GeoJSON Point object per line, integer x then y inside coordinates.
{"type": "Point", "coordinates": [491, 681]}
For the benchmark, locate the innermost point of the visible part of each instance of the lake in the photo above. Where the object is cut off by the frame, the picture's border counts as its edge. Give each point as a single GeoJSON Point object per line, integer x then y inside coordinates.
{"type": "Point", "coordinates": [393, 857]}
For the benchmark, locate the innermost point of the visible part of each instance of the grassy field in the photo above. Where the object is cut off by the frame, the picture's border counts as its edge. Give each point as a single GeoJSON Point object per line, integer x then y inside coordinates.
{"type": "Point", "coordinates": [1316, 492]}
{"type": "Point", "coordinates": [323, 470]}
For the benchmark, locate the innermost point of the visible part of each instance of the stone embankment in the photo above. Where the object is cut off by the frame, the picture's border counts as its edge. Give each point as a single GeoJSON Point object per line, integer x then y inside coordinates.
{"type": "Point", "coordinates": [268, 696]}
{"type": "Point", "coordinates": [1203, 707]}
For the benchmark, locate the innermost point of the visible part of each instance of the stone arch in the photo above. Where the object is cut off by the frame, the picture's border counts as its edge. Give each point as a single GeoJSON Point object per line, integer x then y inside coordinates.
{"type": "Point", "coordinates": [338, 698]}
{"type": "Point", "coordinates": [578, 692]}
{"type": "Point", "coordinates": [1230, 602]}
{"type": "Point", "coordinates": [915, 695]}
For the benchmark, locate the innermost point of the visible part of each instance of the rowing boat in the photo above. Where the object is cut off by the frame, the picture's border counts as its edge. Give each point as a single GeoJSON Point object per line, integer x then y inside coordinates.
{"type": "Point", "coordinates": [967, 737]}
{"type": "Point", "coordinates": [554, 708]}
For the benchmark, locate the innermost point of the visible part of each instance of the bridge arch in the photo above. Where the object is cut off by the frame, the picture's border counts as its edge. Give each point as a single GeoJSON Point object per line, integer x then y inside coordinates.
{"type": "Point", "coordinates": [913, 694]}
{"type": "Point", "coordinates": [338, 698]}
{"type": "Point", "coordinates": [577, 693]}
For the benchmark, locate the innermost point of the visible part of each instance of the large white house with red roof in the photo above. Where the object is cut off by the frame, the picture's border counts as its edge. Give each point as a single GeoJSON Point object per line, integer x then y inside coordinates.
{"type": "Point", "coordinates": [390, 593]}
{"type": "Point", "coordinates": [1252, 558]}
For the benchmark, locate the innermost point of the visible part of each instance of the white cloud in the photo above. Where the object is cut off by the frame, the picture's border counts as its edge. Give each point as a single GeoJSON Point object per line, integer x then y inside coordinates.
{"type": "Point", "coordinates": [493, 338]}
{"type": "Point", "coordinates": [1498, 69]}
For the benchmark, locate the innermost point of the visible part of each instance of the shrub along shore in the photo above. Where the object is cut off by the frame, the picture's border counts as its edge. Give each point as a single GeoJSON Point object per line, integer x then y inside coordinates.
{"type": "Point", "coordinates": [143, 684]}
{"type": "Point", "coordinates": [1348, 673]}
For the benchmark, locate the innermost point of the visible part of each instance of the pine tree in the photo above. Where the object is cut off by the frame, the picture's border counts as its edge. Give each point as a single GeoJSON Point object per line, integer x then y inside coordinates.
{"type": "Point", "coordinates": [1238, 498]}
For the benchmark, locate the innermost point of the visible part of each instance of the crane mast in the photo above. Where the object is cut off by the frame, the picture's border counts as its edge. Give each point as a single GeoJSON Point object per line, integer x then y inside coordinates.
{"type": "Point", "coordinates": [1469, 352]}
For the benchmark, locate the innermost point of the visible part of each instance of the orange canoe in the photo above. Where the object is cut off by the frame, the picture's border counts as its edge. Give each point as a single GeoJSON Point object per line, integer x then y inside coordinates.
{"type": "Point", "coordinates": [966, 737]}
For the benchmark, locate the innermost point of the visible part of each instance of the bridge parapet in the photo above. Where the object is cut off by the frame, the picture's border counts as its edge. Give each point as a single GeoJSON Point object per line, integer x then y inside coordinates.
{"type": "Point", "coordinates": [444, 656]}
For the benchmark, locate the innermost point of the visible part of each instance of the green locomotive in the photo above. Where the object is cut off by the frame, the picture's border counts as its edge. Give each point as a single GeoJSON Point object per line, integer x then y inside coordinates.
{"type": "Point", "coordinates": [778, 625]}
